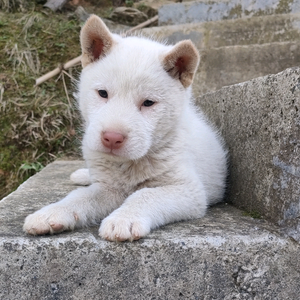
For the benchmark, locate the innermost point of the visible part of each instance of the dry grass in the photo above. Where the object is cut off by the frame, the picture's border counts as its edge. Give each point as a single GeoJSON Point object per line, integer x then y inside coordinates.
{"type": "Point", "coordinates": [24, 59]}
{"type": "Point", "coordinates": [13, 5]}
{"type": "Point", "coordinates": [37, 124]}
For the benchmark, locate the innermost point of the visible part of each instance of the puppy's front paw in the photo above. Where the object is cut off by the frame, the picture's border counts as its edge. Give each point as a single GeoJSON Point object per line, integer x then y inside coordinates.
{"type": "Point", "coordinates": [117, 228]}
{"type": "Point", "coordinates": [50, 220]}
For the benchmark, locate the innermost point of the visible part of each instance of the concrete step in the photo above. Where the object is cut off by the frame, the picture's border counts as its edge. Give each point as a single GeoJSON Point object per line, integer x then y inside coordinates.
{"type": "Point", "coordinates": [203, 11]}
{"type": "Point", "coordinates": [225, 255]}
{"type": "Point", "coordinates": [234, 51]}
{"type": "Point", "coordinates": [248, 31]}
{"type": "Point", "coordinates": [260, 122]}
{"type": "Point", "coordinates": [234, 64]}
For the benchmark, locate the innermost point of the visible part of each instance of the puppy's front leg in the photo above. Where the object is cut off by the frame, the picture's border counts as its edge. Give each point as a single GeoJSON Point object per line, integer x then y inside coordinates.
{"type": "Point", "coordinates": [81, 207]}
{"type": "Point", "coordinates": [149, 208]}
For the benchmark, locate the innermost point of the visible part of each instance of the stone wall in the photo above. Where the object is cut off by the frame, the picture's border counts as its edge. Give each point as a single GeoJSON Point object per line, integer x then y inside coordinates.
{"type": "Point", "coordinates": [260, 122]}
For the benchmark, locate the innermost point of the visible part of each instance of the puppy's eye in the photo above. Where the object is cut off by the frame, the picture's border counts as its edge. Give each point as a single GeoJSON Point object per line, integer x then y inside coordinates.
{"type": "Point", "coordinates": [148, 103]}
{"type": "Point", "coordinates": [103, 93]}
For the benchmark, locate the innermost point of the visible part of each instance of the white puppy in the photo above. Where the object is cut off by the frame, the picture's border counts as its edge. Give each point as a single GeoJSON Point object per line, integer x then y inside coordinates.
{"type": "Point", "coordinates": [152, 159]}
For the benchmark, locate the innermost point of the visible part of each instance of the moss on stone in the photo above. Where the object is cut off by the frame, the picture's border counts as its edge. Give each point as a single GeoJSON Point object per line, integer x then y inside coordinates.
{"type": "Point", "coordinates": [283, 7]}
{"type": "Point", "coordinates": [236, 12]}
{"type": "Point", "coordinates": [253, 214]}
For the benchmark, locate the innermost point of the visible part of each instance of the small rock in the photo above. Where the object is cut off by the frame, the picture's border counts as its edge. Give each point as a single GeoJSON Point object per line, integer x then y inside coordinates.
{"type": "Point", "coordinates": [81, 13]}
{"type": "Point", "coordinates": [55, 4]}
{"type": "Point", "coordinates": [147, 10]}
{"type": "Point", "coordinates": [128, 16]}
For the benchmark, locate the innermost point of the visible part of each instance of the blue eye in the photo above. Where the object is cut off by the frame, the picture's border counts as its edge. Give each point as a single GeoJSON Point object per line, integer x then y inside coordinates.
{"type": "Point", "coordinates": [148, 103]}
{"type": "Point", "coordinates": [103, 93]}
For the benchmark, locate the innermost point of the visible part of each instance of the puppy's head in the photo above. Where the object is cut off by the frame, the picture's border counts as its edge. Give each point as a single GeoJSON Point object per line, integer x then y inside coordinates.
{"type": "Point", "coordinates": [132, 91]}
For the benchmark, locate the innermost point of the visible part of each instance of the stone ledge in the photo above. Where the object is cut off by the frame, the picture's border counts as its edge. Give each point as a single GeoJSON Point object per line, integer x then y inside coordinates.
{"type": "Point", "coordinates": [215, 34]}
{"type": "Point", "coordinates": [259, 120]}
{"type": "Point", "coordinates": [234, 51]}
{"type": "Point", "coordinates": [230, 65]}
{"type": "Point", "coordinates": [224, 255]}
{"type": "Point", "coordinates": [203, 11]}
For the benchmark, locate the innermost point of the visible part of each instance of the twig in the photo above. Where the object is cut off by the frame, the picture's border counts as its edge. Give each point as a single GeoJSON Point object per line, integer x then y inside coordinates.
{"type": "Point", "coordinates": [144, 24]}
{"type": "Point", "coordinates": [69, 75]}
{"type": "Point", "coordinates": [67, 94]}
{"type": "Point", "coordinates": [77, 60]}
{"type": "Point", "coordinates": [66, 90]}
{"type": "Point", "coordinates": [57, 71]}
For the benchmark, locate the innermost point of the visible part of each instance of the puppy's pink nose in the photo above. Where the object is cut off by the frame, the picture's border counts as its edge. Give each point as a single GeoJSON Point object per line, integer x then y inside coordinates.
{"type": "Point", "coordinates": [112, 140]}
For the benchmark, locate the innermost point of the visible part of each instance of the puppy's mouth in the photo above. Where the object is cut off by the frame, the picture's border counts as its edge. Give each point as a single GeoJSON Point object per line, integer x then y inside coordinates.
{"type": "Point", "coordinates": [111, 153]}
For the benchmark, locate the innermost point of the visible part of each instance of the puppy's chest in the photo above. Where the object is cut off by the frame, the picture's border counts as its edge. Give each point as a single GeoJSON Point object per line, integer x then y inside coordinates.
{"type": "Point", "coordinates": [129, 176]}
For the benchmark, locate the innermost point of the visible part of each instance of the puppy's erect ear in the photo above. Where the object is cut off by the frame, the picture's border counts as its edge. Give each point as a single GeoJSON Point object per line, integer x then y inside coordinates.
{"type": "Point", "coordinates": [182, 62]}
{"type": "Point", "coordinates": [96, 40]}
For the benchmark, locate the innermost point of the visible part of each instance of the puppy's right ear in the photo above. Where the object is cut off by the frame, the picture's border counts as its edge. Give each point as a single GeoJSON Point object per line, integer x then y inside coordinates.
{"type": "Point", "coordinates": [96, 40]}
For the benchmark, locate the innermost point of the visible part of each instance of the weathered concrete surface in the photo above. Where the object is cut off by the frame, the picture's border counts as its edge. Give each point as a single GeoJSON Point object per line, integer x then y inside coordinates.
{"type": "Point", "coordinates": [203, 11]}
{"type": "Point", "coordinates": [260, 122]}
{"type": "Point", "coordinates": [234, 64]}
{"type": "Point", "coordinates": [245, 31]}
{"type": "Point", "coordinates": [225, 255]}
{"type": "Point", "coordinates": [234, 51]}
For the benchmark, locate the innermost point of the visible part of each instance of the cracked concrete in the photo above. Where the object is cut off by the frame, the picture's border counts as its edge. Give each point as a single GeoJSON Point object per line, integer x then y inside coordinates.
{"type": "Point", "coordinates": [225, 255]}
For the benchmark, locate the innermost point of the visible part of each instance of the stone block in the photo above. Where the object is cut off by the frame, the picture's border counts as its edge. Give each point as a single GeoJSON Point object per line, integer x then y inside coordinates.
{"type": "Point", "coordinates": [260, 122]}
{"type": "Point", "coordinates": [225, 255]}
{"type": "Point", "coordinates": [234, 51]}
{"type": "Point", "coordinates": [225, 66]}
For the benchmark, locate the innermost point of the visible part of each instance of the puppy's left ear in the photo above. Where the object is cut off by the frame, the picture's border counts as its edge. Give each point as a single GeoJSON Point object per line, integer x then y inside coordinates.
{"type": "Point", "coordinates": [96, 40]}
{"type": "Point", "coordinates": [182, 62]}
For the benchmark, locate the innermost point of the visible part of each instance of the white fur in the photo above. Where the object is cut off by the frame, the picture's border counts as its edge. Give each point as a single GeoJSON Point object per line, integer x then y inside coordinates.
{"type": "Point", "coordinates": [171, 167]}
{"type": "Point", "coordinates": [81, 177]}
